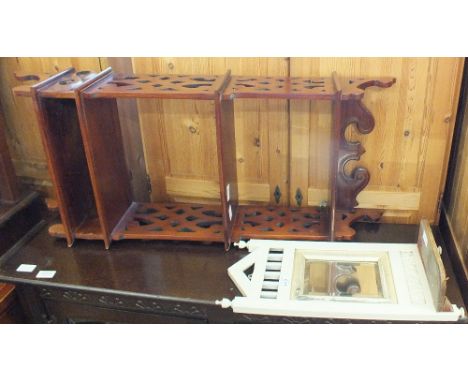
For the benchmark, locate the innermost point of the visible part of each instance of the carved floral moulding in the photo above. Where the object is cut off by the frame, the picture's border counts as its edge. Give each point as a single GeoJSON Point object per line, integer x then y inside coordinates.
{"type": "Point", "coordinates": [262, 319]}
{"type": "Point", "coordinates": [141, 304]}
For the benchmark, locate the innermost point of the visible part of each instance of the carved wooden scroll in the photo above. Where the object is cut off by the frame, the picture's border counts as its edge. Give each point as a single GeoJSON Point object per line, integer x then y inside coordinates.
{"type": "Point", "coordinates": [349, 110]}
{"type": "Point", "coordinates": [350, 184]}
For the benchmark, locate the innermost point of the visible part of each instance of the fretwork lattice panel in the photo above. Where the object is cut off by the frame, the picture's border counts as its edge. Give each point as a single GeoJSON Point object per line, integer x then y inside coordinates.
{"type": "Point", "coordinates": [172, 221]}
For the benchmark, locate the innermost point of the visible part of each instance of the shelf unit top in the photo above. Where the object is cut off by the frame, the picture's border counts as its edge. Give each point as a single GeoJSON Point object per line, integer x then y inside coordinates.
{"type": "Point", "coordinates": [64, 86]}
{"type": "Point", "coordinates": [170, 86]}
{"type": "Point", "coordinates": [280, 87]}
{"type": "Point", "coordinates": [203, 87]}
{"type": "Point", "coordinates": [317, 88]}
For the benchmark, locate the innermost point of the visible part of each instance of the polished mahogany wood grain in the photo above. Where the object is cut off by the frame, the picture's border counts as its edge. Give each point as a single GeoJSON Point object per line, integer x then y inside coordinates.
{"type": "Point", "coordinates": [318, 88]}
{"type": "Point", "coordinates": [165, 86]}
{"type": "Point", "coordinates": [278, 222]}
{"type": "Point", "coordinates": [226, 144]}
{"type": "Point", "coordinates": [102, 137]}
{"type": "Point", "coordinates": [348, 109]}
{"type": "Point", "coordinates": [61, 137]}
{"type": "Point", "coordinates": [171, 221]}
{"type": "Point", "coordinates": [63, 87]}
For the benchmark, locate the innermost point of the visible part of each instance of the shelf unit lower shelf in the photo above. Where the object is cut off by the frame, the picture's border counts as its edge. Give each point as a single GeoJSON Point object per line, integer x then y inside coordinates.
{"type": "Point", "coordinates": [89, 229]}
{"type": "Point", "coordinates": [203, 222]}
{"type": "Point", "coordinates": [296, 223]}
{"type": "Point", "coordinates": [158, 221]}
{"type": "Point", "coordinates": [171, 221]}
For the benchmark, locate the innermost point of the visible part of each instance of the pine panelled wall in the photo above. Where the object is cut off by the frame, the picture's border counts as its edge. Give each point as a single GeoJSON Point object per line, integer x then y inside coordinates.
{"type": "Point", "coordinates": [171, 145]}
{"type": "Point", "coordinates": [408, 150]}
{"type": "Point", "coordinates": [22, 129]}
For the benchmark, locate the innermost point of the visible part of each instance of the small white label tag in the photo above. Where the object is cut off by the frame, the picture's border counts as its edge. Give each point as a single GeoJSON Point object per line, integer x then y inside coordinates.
{"type": "Point", "coordinates": [424, 237]}
{"type": "Point", "coordinates": [45, 274]}
{"type": "Point", "coordinates": [26, 268]}
{"type": "Point", "coordinates": [228, 192]}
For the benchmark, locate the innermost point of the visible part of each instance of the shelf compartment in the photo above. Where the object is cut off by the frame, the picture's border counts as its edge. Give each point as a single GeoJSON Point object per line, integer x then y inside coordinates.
{"type": "Point", "coordinates": [171, 221]}
{"type": "Point", "coordinates": [54, 102]}
{"type": "Point", "coordinates": [103, 141]}
{"type": "Point", "coordinates": [118, 85]}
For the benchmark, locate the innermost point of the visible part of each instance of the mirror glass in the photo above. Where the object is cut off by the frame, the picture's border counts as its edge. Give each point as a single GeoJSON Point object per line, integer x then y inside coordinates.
{"type": "Point", "coordinates": [342, 278]}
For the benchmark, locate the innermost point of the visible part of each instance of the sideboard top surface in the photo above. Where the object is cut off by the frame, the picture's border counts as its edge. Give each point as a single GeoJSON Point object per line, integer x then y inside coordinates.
{"type": "Point", "coordinates": [182, 271]}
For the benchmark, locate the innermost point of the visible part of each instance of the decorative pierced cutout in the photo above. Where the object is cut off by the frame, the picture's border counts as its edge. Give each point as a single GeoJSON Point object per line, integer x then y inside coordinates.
{"type": "Point", "coordinates": [194, 86]}
{"type": "Point", "coordinates": [63, 88]}
{"type": "Point", "coordinates": [344, 219]}
{"type": "Point", "coordinates": [159, 86]}
{"type": "Point", "coordinates": [172, 222]}
{"type": "Point", "coordinates": [269, 222]}
{"type": "Point", "coordinates": [306, 223]}
{"type": "Point", "coordinates": [204, 79]}
{"type": "Point", "coordinates": [280, 87]}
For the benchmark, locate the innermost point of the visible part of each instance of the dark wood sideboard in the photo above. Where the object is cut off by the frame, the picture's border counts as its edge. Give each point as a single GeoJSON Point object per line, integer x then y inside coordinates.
{"type": "Point", "coordinates": [20, 211]}
{"type": "Point", "coordinates": [147, 281]}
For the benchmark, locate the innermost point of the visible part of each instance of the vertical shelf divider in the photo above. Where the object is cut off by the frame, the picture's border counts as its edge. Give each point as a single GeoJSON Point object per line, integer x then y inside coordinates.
{"type": "Point", "coordinates": [226, 145]}
{"type": "Point", "coordinates": [102, 138]}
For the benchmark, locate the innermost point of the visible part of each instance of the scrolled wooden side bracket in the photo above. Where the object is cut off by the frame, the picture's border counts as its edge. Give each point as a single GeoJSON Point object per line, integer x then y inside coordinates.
{"type": "Point", "coordinates": [354, 88]}
{"type": "Point", "coordinates": [353, 111]}
{"type": "Point", "coordinates": [349, 185]}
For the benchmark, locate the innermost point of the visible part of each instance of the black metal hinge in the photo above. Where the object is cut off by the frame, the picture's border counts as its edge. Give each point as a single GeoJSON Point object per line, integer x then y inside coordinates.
{"type": "Point", "coordinates": [277, 194]}
{"type": "Point", "coordinates": [299, 198]}
{"type": "Point", "coordinates": [148, 185]}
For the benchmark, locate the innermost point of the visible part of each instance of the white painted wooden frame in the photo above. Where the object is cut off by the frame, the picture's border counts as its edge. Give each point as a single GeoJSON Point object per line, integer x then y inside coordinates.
{"type": "Point", "coordinates": [409, 297]}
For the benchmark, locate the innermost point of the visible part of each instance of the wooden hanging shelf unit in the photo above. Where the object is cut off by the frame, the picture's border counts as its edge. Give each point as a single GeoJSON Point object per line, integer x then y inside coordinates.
{"type": "Point", "coordinates": [80, 129]}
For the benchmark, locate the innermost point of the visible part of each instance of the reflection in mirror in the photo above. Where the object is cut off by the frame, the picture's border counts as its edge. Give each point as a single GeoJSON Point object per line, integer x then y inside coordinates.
{"type": "Point", "coordinates": [345, 276]}
{"type": "Point", "coordinates": [351, 279]}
